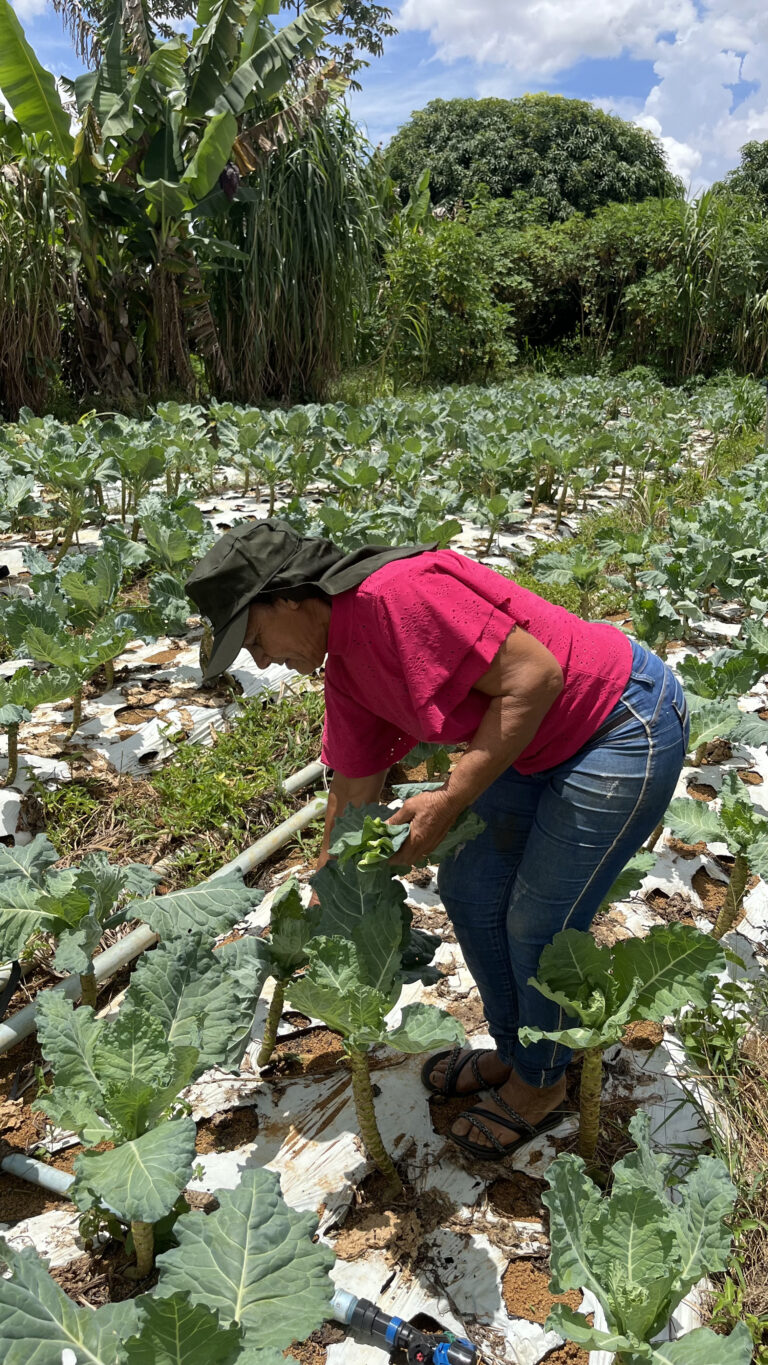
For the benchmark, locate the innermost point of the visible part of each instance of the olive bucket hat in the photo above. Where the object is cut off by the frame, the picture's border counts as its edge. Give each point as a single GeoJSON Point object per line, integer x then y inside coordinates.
{"type": "Point", "coordinates": [269, 556]}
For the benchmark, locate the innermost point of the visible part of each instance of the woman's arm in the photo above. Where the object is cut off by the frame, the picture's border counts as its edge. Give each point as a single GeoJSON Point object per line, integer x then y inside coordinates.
{"type": "Point", "coordinates": [348, 791]}
{"type": "Point", "coordinates": [523, 682]}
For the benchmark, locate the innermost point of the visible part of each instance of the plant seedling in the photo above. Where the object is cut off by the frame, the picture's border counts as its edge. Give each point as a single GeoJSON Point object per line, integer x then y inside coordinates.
{"type": "Point", "coordinates": [640, 1253]}
{"type": "Point", "coordinates": [737, 823]}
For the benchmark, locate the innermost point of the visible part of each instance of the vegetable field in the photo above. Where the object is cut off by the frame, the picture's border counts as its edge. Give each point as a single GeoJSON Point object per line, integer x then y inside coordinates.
{"type": "Point", "coordinates": [211, 1113]}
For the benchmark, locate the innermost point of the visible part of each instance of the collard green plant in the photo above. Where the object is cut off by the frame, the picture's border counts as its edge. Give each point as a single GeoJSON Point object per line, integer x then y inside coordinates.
{"type": "Point", "coordinates": [242, 1284]}
{"type": "Point", "coordinates": [737, 823]}
{"type": "Point", "coordinates": [19, 695]}
{"type": "Point", "coordinates": [576, 566]}
{"type": "Point", "coordinates": [74, 904]}
{"type": "Point", "coordinates": [721, 719]}
{"type": "Point", "coordinates": [354, 971]}
{"type": "Point", "coordinates": [639, 1252]}
{"type": "Point", "coordinates": [82, 655]}
{"type": "Point", "coordinates": [291, 926]}
{"type": "Point", "coordinates": [601, 990]}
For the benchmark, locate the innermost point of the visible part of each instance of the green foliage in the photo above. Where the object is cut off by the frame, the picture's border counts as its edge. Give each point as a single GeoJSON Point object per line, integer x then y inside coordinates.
{"type": "Point", "coordinates": [750, 177]}
{"type": "Point", "coordinates": [640, 1253]}
{"type": "Point", "coordinates": [437, 319]}
{"type": "Point", "coordinates": [738, 823]}
{"type": "Point", "coordinates": [564, 152]}
{"type": "Point", "coordinates": [241, 1285]}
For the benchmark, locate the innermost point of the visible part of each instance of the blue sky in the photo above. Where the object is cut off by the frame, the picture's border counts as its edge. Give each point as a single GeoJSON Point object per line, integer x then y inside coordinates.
{"type": "Point", "coordinates": [695, 72]}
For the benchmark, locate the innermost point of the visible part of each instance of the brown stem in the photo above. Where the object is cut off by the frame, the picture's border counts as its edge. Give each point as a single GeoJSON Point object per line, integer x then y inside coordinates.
{"type": "Point", "coordinates": [654, 839]}
{"type": "Point", "coordinates": [591, 1087]}
{"type": "Point", "coordinates": [366, 1117]}
{"type": "Point", "coordinates": [135, 529]}
{"type": "Point", "coordinates": [144, 1246]}
{"type": "Point", "coordinates": [66, 542]}
{"type": "Point", "coordinates": [561, 504]}
{"type": "Point", "coordinates": [88, 988]}
{"type": "Point", "coordinates": [13, 755]}
{"type": "Point", "coordinates": [109, 674]}
{"type": "Point", "coordinates": [270, 1028]}
{"type": "Point", "coordinates": [77, 712]}
{"type": "Point", "coordinates": [733, 897]}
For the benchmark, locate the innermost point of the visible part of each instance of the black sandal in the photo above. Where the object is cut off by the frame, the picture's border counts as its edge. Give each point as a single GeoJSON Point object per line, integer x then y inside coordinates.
{"type": "Point", "coordinates": [454, 1069]}
{"type": "Point", "coordinates": [518, 1124]}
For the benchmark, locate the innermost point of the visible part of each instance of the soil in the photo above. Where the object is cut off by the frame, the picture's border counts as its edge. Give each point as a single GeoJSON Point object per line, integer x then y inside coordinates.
{"type": "Point", "coordinates": [749, 777]}
{"type": "Point", "coordinates": [222, 1133]}
{"type": "Point", "coordinates": [525, 1290]}
{"type": "Point", "coordinates": [396, 1226]}
{"type": "Point", "coordinates": [701, 791]}
{"type": "Point", "coordinates": [643, 1035]}
{"type": "Point", "coordinates": [675, 909]}
{"type": "Point", "coordinates": [317, 1051]}
{"type": "Point", "coordinates": [568, 1354]}
{"type": "Point", "coordinates": [313, 1351]}
{"type": "Point", "coordinates": [434, 920]}
{"type": "Point", "coordinates": [420, 876]}
{"type": "Point", "coordinates": [97, 1278]}
{"type": "Point", "coordinates": [609, 927]}
{"type": "Point", "coordinates": [468, 1009]}
{"type": "Point", "coordinates": [718, 751]}
{"type": "Point", "coordinates": [518, 1196]}
{"type": "Point", "coordinates": [686, 851]}
{"type": "Point", "coordinates": [613, 1141]}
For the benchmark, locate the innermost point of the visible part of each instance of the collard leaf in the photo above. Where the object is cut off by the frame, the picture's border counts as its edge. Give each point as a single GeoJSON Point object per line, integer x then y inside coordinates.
{"type": "Point", "coordinates": [467, 827]}
{"type": "Point", "coordinates": [348, 893]}
{"type": "Point", "coordinates": [632, 1240]}
{"type": "Point", "coordinates": [423, 1028]}
{"type": "Point", "coordinates": [21, 915]}
{"type": "Point", "coordinates": [211, 908]}
{"type": "Point", "coordinates": [574, 1327]}
{"type": "Point", "coordinates": [369, 841]}
{"type": "Point", "coordinates": [291, 926]}
{"type": "Point", "coordinates": [574, 966]}
{"type": "Point", "coordinates": [675, 965]}
{"type": "Point", "coordinates": [253, 1262]}
{"type": "Point", "coordinates": [28, 860]}
{"type": "Point", "coordinates": [405, 789]}
{"type": "Point", "coordinates": [703, 1239]}
{"type": "Point", "coordinates": [39, 1323]}
{"type": "Point", "coordinates": [174, 1331]}
{"type": "Point", "coordinates": [704, 1347]}
{"type": "Point", "coordinates": [693, 821]}
{"type": "Point", "coordinates": [139, 1180]}
{"type": "Point", "coordinates": [378, 940]}
{"type": "Point", "coordinates": [331, 990]}
{"type": "Point", "coordinates": [574, 1203]}
{"type": "Point", "coordinates": [68, 1039]}
{"type": "Point", "coordinates": [711, 719]}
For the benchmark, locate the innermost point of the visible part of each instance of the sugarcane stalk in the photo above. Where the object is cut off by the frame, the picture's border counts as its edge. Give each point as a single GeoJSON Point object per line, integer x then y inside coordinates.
{"type": "Point", "coordinates": [733, 897]}
{"type": "Point", "coordinates": [77, 712]}
{"type": "Point", "coordinates": [144, 1246]}
{"type": "Point", "coordinates": [13, 754]}
{"type": "Point", "coordinates": [366, 1117]}
{"type": "Point", "coordinates": [270, 1028]}
{"type": "Point", "coordinates": [591, 1088]}
{"type": "Point", "coordinates": [88, 988]}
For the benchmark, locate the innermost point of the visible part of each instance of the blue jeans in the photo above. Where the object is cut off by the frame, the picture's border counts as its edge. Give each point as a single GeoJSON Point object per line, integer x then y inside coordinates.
{"type": "Point", "coordinates": [553, 845]}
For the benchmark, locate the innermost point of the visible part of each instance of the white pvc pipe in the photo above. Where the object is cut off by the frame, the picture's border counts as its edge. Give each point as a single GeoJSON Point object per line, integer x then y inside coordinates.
{"type": "Point", "coordinates": [105, 964]}
{"type": "Point", "coordinates": [37, 1173]}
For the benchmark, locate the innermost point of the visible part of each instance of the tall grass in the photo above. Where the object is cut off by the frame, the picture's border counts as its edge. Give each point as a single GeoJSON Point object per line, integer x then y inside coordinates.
{"type": "Point", "coordinates": [307, 224]}
{"type": "Point", "coordinates": [33, 284]}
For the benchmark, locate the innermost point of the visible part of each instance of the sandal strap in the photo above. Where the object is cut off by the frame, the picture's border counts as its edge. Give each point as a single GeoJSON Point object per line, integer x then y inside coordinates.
{"type": "Point", "coordinates": [478, 1123]}
{"type": "Point", "coordinates": [521, 1124]}
{"type": "Point", "coordinates": [452, 1069]}
{"type": "Point", "coordinates": [469, 1114]}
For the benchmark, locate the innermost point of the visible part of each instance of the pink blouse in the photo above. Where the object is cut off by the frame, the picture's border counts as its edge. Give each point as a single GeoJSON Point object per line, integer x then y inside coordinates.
{"type": "Point", "coordinates": [407, 646]}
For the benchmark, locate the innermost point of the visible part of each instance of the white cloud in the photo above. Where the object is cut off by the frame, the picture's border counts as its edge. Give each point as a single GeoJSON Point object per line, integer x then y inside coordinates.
{"type": "Point", "coordinates": [699, 50]}
{"type": "Point", "coordinates": [28, 9]}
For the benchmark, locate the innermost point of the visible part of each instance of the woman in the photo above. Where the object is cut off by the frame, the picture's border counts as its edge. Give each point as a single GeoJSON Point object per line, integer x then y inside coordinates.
{"type": "Point", "coordinates": [575, 738]}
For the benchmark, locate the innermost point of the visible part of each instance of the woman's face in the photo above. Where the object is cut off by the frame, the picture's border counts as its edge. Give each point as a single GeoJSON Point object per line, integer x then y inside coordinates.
{"type": "Point", "coordinates": [290, 633]}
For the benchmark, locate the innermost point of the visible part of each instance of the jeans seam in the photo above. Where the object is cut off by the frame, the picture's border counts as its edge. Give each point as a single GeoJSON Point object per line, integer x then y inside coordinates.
{"type": "Point", "coordinates": [607, 854]}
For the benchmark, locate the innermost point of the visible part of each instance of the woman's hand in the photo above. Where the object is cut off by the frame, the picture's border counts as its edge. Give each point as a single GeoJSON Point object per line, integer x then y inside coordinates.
{"type": "Point", "coordinates": [430, 816]}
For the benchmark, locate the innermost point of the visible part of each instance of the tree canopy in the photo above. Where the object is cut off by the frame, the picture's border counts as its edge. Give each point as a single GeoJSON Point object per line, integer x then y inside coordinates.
{"type": "Point", "coordinates": [564, 151]}
{"type": "Point", "coordinates": [751, 175]}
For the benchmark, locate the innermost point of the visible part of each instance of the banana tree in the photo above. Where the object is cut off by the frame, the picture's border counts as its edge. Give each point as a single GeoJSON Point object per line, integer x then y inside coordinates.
{"type": "Point", "coordinates": [19, 695]}
{"type": "Point", "coordinates": [737, 823]}
{"type": "Point", "coordinates": [601, 990]}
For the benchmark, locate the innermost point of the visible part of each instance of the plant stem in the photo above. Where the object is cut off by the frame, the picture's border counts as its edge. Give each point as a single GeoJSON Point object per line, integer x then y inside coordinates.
{"type": "Point", "coordinates": [654, 839]}
{"type": "Point", "coordinates": [135, 529]}
{"type": "Point", "coordinates": [144, 1246]}
{"type": "Point", "coordinates": [366, 1117]}
{"type": "Point", "coordinates": [66, 542]}
{"type": "Point", "coordinates": [591, 1087]}
{"type": "Point", "coordinates": [13, 755]}
{"type": "Point", "coordinates": [77, 712]}
{"type": "Point", "coordinates": [585, 604]}
{"type": "Point", "coordinates": [109, 674]}
{"type": "Point", "coordinates": [88, 988]}
{"type": "Point", "coordinates": [270, 1028]}
{"type": "Point", "coordinates": [733, 897]}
